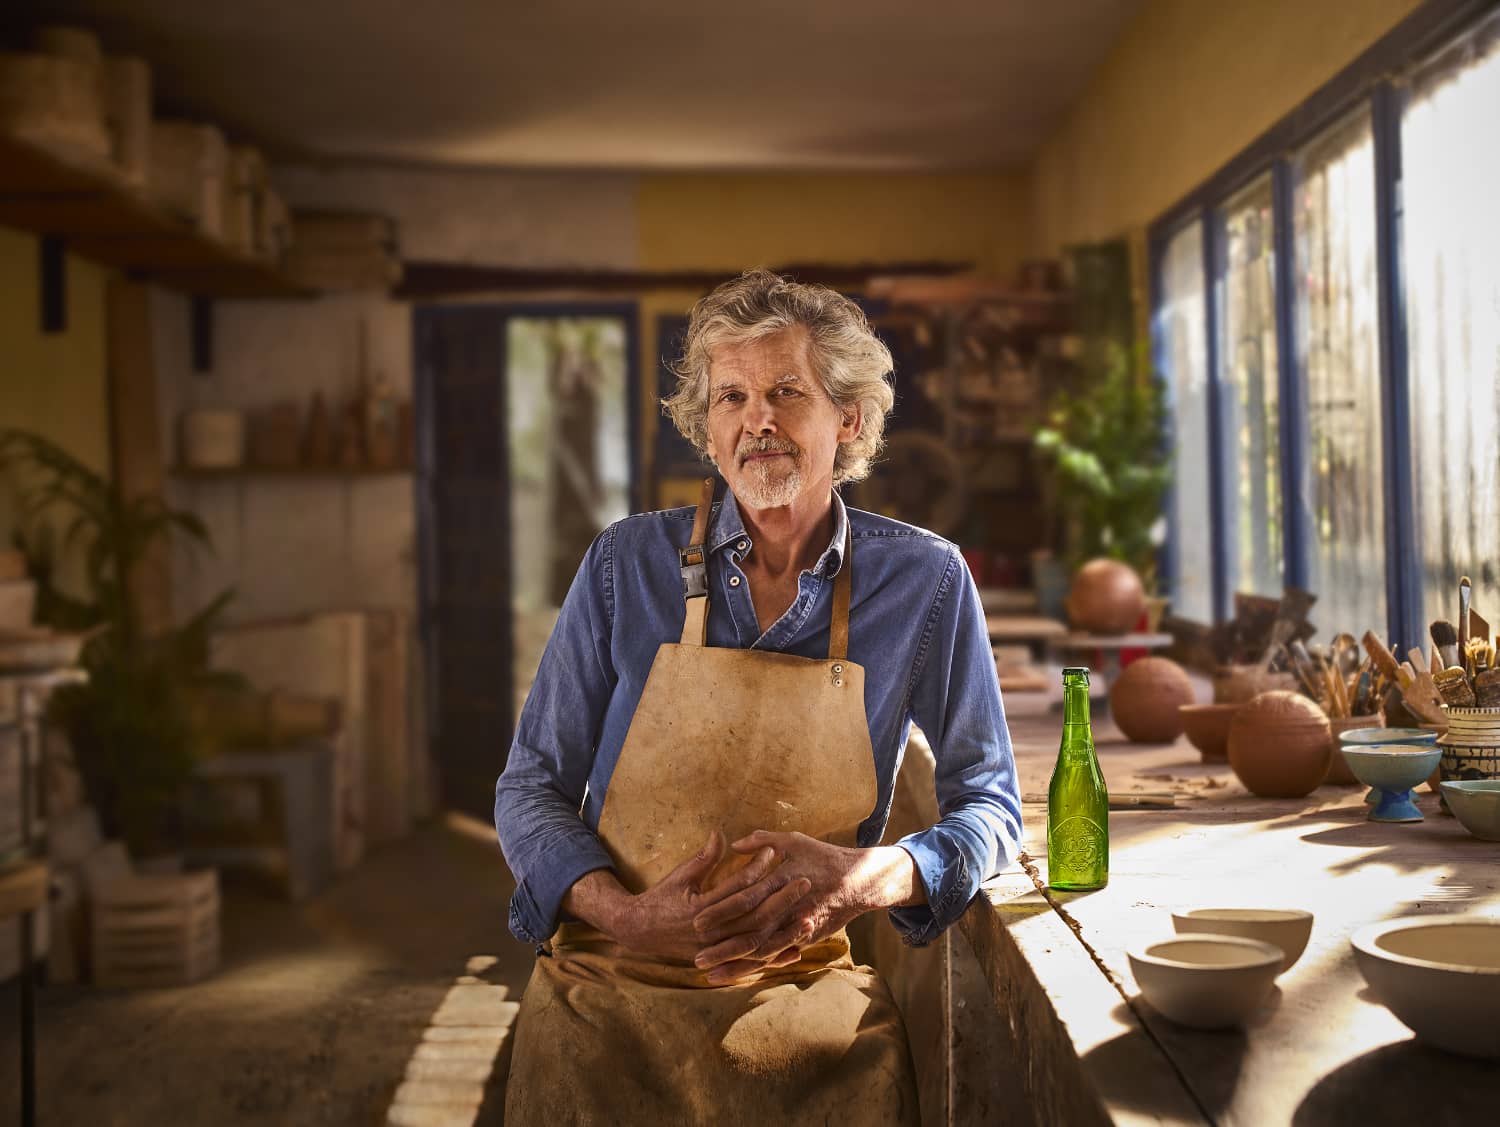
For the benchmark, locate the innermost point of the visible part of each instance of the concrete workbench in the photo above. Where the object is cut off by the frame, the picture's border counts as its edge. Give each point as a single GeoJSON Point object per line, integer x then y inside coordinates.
{"type": "Point", "coordinates": [1080, 1046]}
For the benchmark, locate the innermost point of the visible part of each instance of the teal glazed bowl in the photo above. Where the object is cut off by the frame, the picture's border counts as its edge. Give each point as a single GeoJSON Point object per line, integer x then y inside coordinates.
{"type": "Point", "coordinates": [1374, 737]}
{"type": "Point", "coordinates": [1476, 804]}
{"type": "Point", "coordinates": [1393, 769]}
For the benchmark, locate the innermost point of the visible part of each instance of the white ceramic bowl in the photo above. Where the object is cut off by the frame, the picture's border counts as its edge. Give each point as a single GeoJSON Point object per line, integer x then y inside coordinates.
{"type": "Point", "coordinates": [1206, 981]}
{"type": "Point", "coordinates": [1286, 928]}
{"type": "Point", "coordinates": [1440, 976]}
{"type": "Point", "coordinates": [1476, 804]}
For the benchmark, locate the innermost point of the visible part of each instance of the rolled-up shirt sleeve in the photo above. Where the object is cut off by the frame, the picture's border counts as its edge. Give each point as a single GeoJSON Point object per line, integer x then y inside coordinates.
{"type": "Point", "coordinates": [538, 796]}
{"type": "Point", "coordinates": [955, 700]}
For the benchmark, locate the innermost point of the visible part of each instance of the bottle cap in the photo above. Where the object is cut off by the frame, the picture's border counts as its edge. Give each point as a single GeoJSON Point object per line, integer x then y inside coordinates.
{"type": "Point", "coordinates": [1076, 670]}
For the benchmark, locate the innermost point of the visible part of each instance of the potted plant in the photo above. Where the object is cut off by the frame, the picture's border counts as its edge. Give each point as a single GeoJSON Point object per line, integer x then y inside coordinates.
{"type": "Point", "coordinates": [130, 724]}
{"type": "Point", "coordinates": [1106, 445]}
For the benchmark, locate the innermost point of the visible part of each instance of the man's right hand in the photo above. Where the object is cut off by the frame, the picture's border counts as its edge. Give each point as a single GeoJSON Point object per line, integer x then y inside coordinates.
{"type": "Point", "coordinates": [659, 921]}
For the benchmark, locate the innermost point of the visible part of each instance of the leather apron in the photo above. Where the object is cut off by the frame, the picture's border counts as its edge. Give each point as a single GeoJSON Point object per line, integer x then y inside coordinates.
{"type": "Point", "coordinates": [737, 740]}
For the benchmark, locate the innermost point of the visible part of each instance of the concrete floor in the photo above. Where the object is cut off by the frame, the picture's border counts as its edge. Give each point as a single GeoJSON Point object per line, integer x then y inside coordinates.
{"type": "Point", "coordinates": [313, 1017]}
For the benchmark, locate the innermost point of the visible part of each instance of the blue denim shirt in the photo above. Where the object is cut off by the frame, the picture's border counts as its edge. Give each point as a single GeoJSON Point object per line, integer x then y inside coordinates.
{"type": "Point", "coordinates": [915, 624]}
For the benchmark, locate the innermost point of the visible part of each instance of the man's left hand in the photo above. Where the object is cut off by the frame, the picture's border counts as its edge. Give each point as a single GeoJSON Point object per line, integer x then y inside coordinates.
{"type": "Point", "coordinates": [741, 932]}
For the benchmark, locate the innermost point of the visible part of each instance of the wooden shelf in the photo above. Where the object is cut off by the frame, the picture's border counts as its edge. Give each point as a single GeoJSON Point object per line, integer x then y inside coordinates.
{"type": "Point", "coordinates": [104, 220]}
{"type": "Point", "coordinates": [195, 473]}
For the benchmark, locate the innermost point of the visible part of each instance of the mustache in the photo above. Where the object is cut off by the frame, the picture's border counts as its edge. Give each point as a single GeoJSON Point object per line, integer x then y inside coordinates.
{"type": "Point", "coordinates": [766, 445]}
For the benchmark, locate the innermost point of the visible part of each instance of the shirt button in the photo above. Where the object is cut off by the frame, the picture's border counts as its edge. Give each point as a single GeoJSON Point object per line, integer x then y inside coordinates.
{"type": "Point", "coordinates": [742, 545]}
{"type": "Point", "coordinates": [734, 580]}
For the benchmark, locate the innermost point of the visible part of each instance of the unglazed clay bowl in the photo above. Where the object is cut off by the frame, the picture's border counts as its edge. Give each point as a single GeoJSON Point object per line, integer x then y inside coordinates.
{"type": "Point", "coordinates": [1285, 928]}
{"type": "Point", "coordinates": [1393, 769]}
{"type": "Point", "coordinates": [1440, 976]}
{"type": "Point", "coordinates": [1207, 728]}
{"type": "Point", "coordinates": [1476, 804]}
{"type": "Point", "coordinates": [1206, 981]}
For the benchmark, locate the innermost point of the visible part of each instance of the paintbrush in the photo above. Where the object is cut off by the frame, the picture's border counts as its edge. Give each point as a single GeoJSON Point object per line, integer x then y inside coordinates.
{"type": "Point", "coordinates": [1445, 638]}
{"type": "Point", "coordinates": [1465, 595]}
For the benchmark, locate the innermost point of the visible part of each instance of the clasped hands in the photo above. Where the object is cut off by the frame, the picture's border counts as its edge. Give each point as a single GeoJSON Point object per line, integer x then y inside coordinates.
{"type": "Point", "coordinates": [795, 891]}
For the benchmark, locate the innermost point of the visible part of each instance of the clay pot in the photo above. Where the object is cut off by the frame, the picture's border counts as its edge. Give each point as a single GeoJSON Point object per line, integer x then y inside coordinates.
{"type": "Point", "coordinates": [1236, 684]}
{"type": "Point", "coordinates": [1106, 598]}
{"type": "Point", "coordinates": [1207, 728]}
{"type": "Point", "coordinates": [1145, 698]}
{"type": "Point", "coordinates": [1279, 745]}
{"type": "Point", "coordinates": [1338, 767]}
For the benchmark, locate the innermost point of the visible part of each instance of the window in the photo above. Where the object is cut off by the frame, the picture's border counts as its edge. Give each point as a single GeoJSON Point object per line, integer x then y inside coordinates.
{"type": "Point", "coordinates": [1338, 364]}
{"type": "Point", "coordinates": [1182, 348]}
{"type": "Point", "coordinates": [1248, 357]}
{"type": "Point", "coordinates": [1451, 249]}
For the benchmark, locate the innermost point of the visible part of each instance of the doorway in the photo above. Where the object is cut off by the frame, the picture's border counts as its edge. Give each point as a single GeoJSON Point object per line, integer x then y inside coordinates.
{"type": "Point", "coordinates": [527, 449]}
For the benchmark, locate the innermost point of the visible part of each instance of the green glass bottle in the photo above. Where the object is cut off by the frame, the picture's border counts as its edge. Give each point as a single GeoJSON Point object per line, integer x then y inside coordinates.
{"type": "Point", "coordinates": [1077, 799]}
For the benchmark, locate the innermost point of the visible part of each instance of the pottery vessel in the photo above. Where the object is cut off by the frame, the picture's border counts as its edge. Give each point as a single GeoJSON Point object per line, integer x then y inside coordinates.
{"type": "Point", "coordinates": [1286, 928]}
{"type": "Point", "coordinates": [1206, 981]}
{"type": "Point", "coordinates": [1278, 745]}
{"type": "Point", "coordinates": [1207, 728]}
{"type": "Point", "coordinates": [1471, 745]}
{"type": "Point", "coordinates": [1338, 770]}
{"type": "Point", "coordinates": [1476, 804]}
{"type": "Point", "coordinates": [1106, 598]}
{"type": "Point", "coordinates": [1239, 684]}
{"type": "Point", "coordinates": [1440, 976]}
{"type": "Point", "coordinates": [1392, 769]}
{"type": "Point", "coordinates": [1145, 699]}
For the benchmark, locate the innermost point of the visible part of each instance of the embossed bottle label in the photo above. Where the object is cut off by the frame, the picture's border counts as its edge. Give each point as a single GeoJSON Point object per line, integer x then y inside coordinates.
{"type": "Point", "coordinates": [1075, 844]}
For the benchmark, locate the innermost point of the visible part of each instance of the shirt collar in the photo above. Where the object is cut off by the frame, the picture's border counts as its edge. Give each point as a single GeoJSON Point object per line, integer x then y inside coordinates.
{"type": "Point", "coordinates": [729, 527]}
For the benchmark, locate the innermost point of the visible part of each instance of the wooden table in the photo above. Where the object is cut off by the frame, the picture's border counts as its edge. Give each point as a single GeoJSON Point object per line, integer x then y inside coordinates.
{"type": "Point", "coordinates": [1321, 1050]}
{"type": "Point", "coordinates": [1023, 628]}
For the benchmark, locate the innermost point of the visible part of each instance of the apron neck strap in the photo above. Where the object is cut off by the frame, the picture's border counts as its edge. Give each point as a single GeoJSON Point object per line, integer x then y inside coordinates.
{"type": "Point", "coordinates": [838, 629]}
{"type": "Point", "coordinates": [694, 563]}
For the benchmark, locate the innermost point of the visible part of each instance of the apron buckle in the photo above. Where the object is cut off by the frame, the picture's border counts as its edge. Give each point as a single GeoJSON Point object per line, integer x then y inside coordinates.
{"type": "Point", "coordinates": [694, 563]}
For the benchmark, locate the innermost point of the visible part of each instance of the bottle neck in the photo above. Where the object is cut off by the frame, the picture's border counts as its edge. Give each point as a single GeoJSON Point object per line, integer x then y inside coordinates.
{"type": "Point", "coordinates": [1076, 707]}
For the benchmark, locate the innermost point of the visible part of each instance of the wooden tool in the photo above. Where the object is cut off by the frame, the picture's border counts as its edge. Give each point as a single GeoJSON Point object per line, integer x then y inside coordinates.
{"type": "Point", "coordinates": [1381, 656]}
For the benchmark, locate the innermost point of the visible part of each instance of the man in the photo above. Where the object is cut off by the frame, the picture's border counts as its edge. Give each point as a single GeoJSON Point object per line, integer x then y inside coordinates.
{"type": "Point", "coordinates": [700, 779]}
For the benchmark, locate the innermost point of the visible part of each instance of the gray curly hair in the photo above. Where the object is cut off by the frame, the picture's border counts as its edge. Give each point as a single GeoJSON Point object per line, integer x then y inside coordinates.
{"type": "Point", "coordinates": [849, 358]}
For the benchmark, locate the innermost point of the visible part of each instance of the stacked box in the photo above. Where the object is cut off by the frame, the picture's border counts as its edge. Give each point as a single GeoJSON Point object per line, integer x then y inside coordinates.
{"type": "Point", "coordinates": [54, 103]}
{"type": "Point", "coordinates": [127, 113]}
{"type": "Point", "coordinates": [343, 251]}
{"type": "Point", "coordinates": [156, 930]}
{"type": "Point", "coordinates": [187, 170]}
{"type": "Point", "coordinates": [244, 198]}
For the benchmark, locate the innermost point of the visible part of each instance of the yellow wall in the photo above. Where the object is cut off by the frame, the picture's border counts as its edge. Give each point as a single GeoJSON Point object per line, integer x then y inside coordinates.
{"type": "Point", "coordinates": [1190, 84]}
{"type": "Point", "coordinates": [733, 221]}
{"type": "Point", "coordinates": [53, 384]}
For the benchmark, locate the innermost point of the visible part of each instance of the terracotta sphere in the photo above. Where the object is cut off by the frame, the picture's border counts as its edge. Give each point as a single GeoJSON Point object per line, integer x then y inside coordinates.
{"type": "Point", "coordinates": [1106, 598]}
{"type": "Point", "coordinates": [1145, 699]}
{"type": "Point", "coordinates": [1279, 745]}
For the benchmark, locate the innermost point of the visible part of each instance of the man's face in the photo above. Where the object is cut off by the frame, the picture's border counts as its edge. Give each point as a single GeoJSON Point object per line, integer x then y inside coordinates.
{"type": "Point", "coordinates": [772, 430]}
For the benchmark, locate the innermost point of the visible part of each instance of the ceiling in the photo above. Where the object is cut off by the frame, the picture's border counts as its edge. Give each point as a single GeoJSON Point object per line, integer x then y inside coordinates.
{"type": "Point", "coordinates": [618, 84]}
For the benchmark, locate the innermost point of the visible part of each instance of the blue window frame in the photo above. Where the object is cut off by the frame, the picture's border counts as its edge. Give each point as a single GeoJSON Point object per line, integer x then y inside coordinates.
{"type": "Point", "coordinates": [1299, 437]}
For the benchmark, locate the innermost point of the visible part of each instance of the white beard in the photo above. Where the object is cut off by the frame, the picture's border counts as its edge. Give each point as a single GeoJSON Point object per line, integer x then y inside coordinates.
{"type": "Point", "coordinates": [770, 484]}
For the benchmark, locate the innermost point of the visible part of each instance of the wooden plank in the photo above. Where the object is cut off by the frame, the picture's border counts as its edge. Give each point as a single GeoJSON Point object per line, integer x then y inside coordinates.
{"type": "Point", "coordinates": [1023, 628]}
{"type": "Point", "coordinates": [136, 450]}
{"type": "Point", "coordinates": [103, 219]}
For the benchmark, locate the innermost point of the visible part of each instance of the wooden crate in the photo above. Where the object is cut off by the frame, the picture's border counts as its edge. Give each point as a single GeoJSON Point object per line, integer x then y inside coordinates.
{"type": "Point", "coordinates": [156, 930]}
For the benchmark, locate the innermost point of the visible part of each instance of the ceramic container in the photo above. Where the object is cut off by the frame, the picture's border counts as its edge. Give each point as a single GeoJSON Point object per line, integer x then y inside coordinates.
{"type": "Point", "coordinates": [1207, 728]}
{"type": "Point", "coordinates": [1440, 976]}
{"type": "Point", "coordinates": [1393, 769]}
{"type": "Point", "coordinates": [1278, 745]}
{"type": "Point", "coordinates": [1145, 698]}
{"type": "Point", "coordinates": [1476, 804]}
{"type": "Point", "coordinates": [1373, 737]}
{"type": "Point", "coordinates": [1285, 928]}
{"type": "Point", "coordinates": [1338, 769]}
{"type": "Point", "coordinates": [1206, 981]}
{"type": "Point", "coordinates": [1237, 684]}
{"type": "Point", "coordinates": [1471, 745]}
{"type": "Point", "coordinates": [1106, 598]}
